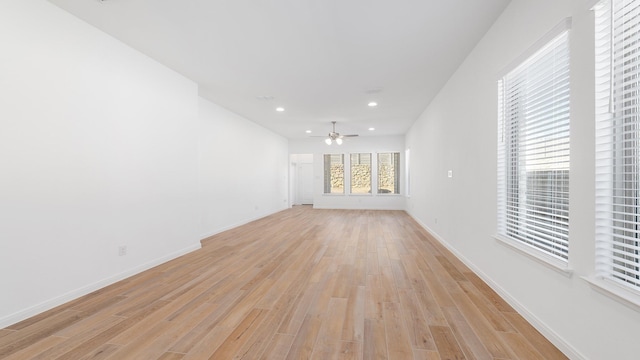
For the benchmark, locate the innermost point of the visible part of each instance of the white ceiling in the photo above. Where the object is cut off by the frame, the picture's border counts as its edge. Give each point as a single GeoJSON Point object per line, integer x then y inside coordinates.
{"type": "Point", "coordinates": [321, 60]}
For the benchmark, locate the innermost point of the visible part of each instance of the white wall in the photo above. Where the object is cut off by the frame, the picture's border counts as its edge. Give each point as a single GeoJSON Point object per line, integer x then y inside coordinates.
{"type": "Point", "coordinates": [99, 148]}
{"type": "Point", "coordinates": [458, 132]}
{"type": "Point", "coordinates": [243, 170]}
{"type": "Point", "coordinates": [373, 144]}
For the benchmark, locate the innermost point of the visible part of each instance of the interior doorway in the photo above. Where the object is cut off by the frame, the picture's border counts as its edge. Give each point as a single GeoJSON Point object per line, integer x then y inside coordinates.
{"type": "Point", "coordinates": [302, 179]}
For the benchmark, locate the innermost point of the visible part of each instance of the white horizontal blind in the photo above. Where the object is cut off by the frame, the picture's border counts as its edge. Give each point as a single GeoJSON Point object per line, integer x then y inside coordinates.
{"type": "Point", "coordinates": [618, 141]}
{"type": "Point", "coordinates": [533, 150]}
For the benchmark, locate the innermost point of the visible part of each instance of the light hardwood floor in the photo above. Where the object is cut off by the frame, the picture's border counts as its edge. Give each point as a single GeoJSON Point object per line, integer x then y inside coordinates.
{"type": "Point", "coordinates": [302, 283]}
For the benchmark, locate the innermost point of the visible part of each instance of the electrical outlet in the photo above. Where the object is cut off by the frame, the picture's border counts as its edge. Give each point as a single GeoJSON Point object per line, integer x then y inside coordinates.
{"type": "Point", "coordinates": [450, 173]}
{"type": "Point", "coordinates": [122, 250]}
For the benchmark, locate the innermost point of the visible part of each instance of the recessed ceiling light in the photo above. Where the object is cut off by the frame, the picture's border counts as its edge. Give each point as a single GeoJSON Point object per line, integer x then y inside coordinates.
{"type": "Point", "coordinates": [280, 109]}
{"type": "Point", "coordinates": [373, 103]}
{"type": "Point", "coordinates": [308, 131]}
{"type": "Point", "coordinates": [371, 129]}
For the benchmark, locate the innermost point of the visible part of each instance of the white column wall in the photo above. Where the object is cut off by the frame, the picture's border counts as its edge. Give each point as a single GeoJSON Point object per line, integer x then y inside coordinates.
{"type": "Point", "coordinates": [243, 170]}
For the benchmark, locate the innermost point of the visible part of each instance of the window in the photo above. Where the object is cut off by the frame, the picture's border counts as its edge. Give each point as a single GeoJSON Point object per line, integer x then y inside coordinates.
{"type": "Point", "coordinates": [618, 142]}
{"type": "Point", "coordinates": [334, 174]}
{"type": "Point", "coordinates": [361, 173]}
{"type": "Point", "coordinates": [533, 149]}
{"type": "Point", "coordinates": [389, 173]}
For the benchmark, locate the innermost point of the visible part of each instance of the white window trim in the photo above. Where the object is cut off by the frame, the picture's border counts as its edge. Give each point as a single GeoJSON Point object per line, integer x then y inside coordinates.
{"type": "Point", "coordinates": [344, 180]}
{"type": "Point", "coordinates": [549, 261]}
{"type": "Point", "coordinates": [377, 173]}
{"type": "Point", "coordinates": [592, 3]}
{"type": "Point", "coordinates": [619, 293]}
{"type": "Point", "coordinates": [374, 175]}
{"type": "Point", "coordinates": [541, 257]}
{"type": "Point", "coordinates": [561, 27]}
{"type": "Point", "coordinates": [371, 168]}
{"type": "Point", "coordinates": [626, 295]}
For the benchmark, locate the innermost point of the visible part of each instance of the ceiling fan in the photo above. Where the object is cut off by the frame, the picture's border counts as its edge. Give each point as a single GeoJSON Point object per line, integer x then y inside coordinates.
{"type": "Point", "coordinates": [335, 136]}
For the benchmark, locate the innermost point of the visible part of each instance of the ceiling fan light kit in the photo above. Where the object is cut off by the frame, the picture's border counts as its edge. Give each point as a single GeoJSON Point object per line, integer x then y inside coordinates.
{"type": "Point", "coordinates": [334, 136]}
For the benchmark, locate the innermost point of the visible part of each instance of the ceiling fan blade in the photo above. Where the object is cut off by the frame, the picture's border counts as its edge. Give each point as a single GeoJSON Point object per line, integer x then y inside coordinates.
{"type": "Point", "coordinates": [334, 135]}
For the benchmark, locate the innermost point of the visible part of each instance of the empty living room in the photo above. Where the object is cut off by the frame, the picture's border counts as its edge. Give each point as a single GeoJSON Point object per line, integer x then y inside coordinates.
{"type": "Point", "coordinates": [319, 180]}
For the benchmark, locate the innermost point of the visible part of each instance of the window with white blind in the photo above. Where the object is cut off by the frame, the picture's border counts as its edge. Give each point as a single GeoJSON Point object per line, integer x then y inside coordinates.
{"type": "Point", "coordinates": [389, 173]}
{"type": "Point", "coordinates": [618, 142]}
{"type": "Point", "coordinates": [533, 150]}
{"type": "Point", "coordinates": [360, 173]}
{"type": "Point", "coordinates": [334, 173]}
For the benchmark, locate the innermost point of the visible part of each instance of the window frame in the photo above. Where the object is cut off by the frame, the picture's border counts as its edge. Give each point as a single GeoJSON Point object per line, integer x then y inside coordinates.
{"type": "Point", "coordinates": [351, 173]}
{"type": "Point", "coordinates": [396, 161]}
{"type": "Point", "coordinates": [327, 175]}
{"type": "Point", "coordinates": [616, 172]}
{"type": "Point", "coordinates": [554, 258]}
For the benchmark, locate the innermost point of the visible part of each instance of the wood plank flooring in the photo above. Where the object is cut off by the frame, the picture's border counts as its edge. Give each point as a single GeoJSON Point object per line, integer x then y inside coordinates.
{"type": "Point", "coordinates": [300, 284]}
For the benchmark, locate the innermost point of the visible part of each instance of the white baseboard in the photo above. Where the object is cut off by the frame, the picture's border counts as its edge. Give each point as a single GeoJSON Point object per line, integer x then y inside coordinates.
{"type": "Point", "coordinates": [545, 330]}
{"type": "Point", "coordinates": [74, 294]}
{"type": "Point", "coordinates": [241, 222]}
{"type": "Point", "coordinates": [357, 207]}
